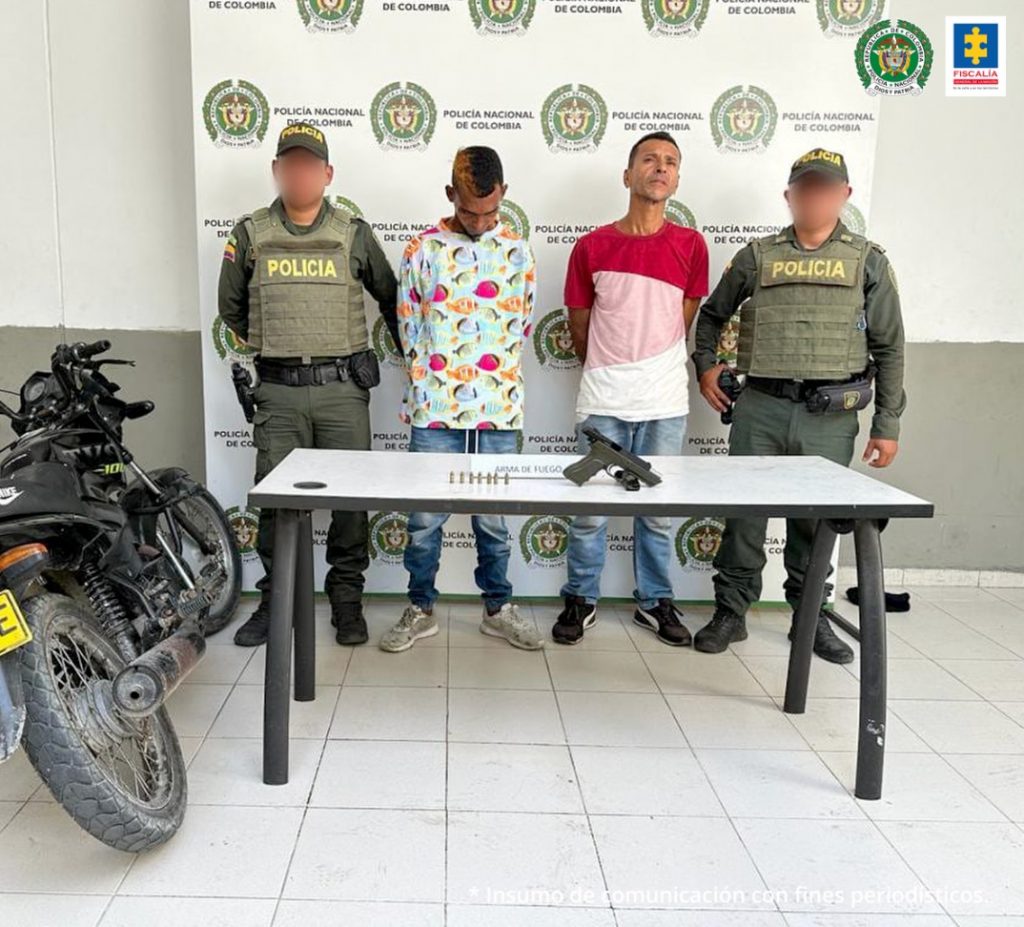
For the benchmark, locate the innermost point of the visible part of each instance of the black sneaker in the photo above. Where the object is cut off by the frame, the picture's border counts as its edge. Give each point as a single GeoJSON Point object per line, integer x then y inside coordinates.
{"type": "Point", "coordinates": [348, 618]}
{"type": "Point", "coordinates": [576, 617]}
{"type": "Point", "coordinates": [827, 644]}
{"type": "Point", "coordinates": [254, 631]}
{"type": "Point", "coordinates": [663, 621]}
{"type": "Point", "coordinates": [723, 629]}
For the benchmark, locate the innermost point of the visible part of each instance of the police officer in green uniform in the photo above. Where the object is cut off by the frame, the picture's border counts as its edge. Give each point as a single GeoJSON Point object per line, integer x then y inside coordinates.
{"type": "Point", "coordinates": [819, 317]}
{"type": "Point", "coordinates": [291, 285]}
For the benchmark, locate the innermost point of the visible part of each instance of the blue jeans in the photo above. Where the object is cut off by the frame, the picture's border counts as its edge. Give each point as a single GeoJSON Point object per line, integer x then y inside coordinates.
{"type": "Point", "coordinates": [652, 537]}
{"type": "Point", "coordinates": [423, 553]}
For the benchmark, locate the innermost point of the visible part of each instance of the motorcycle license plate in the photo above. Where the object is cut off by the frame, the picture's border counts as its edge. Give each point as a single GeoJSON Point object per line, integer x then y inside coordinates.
{"type": "Point", "coordinates": [14, 630]}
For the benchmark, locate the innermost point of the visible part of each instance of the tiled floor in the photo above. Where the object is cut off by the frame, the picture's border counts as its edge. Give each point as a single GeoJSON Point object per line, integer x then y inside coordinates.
{"type": "Point", "coordinates": [620, 782]}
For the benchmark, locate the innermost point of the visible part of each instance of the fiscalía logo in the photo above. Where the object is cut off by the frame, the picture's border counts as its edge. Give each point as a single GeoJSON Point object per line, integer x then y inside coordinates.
{"type": "Point", "coordinates": [894, 57]}
{"type": "Point", "coordinates": [848, 17]}
{"type": "Point", "coordinates": [552, 341]}
{"type": "Point", "coordinates": [697, 542]}
{"type": "Point", "coordinates": [228, 345]}
{"type": "Point", "coordinates": [502, 17]}
{"type": "Point", "coordinates": [236, 114]}
{"type": "Point", "coordinates": [347, 206]}
{"type": "Point", "coordinates": [853, 219]}
{"type": "Point", "coordinates": [389, 535]}
{"type": "Point", "coordinates": [330, 15]}
{"type": "Point", "coordinates": [403, 116]}
{"type": "Point", "coordinates": [976, 56]}
{"type": "Point", "coordinates": [573, 118]}
{"type": "Point", "coordinates": [675, 17]}
{"type": "Point", "coordinates": [680, 214]}
{"type": "Point", "coordinates": [544, 540]}
{"type": "Point", "coordinates": [245, 524]}
{"type": "Point", "coordinates": [513, 215]}
{"type": "Point", "coordinates": [743, 119]}
{"type": "Point", "coordinates": [384, 345]}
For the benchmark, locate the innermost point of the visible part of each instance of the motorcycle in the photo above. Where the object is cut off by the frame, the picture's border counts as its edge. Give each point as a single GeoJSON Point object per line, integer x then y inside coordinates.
{"type": "Point", "coordinates": [106, 587]}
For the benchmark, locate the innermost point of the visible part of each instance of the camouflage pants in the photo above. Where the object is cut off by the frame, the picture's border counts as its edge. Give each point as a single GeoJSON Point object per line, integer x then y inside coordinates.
{"type": "Point", "coordinates": [335, 415]}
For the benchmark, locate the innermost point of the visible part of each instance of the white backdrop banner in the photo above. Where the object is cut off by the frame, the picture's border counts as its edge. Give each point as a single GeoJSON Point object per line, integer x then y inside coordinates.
{"type": "Point", "coordinates": [561, 90]}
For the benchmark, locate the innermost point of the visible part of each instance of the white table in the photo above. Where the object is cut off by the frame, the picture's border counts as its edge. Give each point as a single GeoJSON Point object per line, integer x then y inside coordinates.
{"type": "Point", "coordinates": [842, 501]}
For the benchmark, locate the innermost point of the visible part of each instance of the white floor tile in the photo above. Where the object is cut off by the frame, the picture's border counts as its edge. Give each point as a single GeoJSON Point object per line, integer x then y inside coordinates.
{"type": "Point", "coordinates": [919, 679]}
{"type": "Point", "coordinates": [660, 862]}
{"type": "Point", "coordinates": [242, 714]}
{"type": "Point", "coordinates": [512, 777]}
{"type": "Point", "coordinates": [390, 713]}
{"type": "Point", "coordinates": [18, 780]}
{"type": "Point", "coordinates": [941, 636]}
{"type": "Point", "coordinates": [996, 680]}
{"type": "Point", "coordinates": [833, 865]}
{"type": "Point", "coordinates": [329, 669]}
{"type": "Point", "coordinates": [39, 836]}
{"type": "Point", "coordinates": [632, 918]}
{"type": "Point", "coordinates": [951, 593]}
{"type": "Point", "coordinates": [736, 721]}
{"type": "Point", "coordinates": [229, 771]}
{"type": "Point", "coordinates": [8, 809]}
{"type": "Point", "coordinates": [610, 633]}
{"type": "Point", "coordinates": [222, 665]}
{"type": "Point", "coordinates": [380, 774]}
{"type": "Point", "coordinates": [503, 716]}
{"type": "Point", "coordinates": [188, 912]}
{"type": "Point", "coordinates": [976, 867]}
{"type": "Point", "coordinates": [220, 851]}
{"type": "Point", "coordinates": [25, 910]}
{"type": "Point", "coordinates": [193, 708]}
{"type": "Point", "coordinates": [619, 719]}
{"type": "Point", "coordinates": [868, 920]}
{"type": "Point", "coordinates": [495, 916]}
{"type": "Point", "coordinates": [776, 784]}
{"type": "Point", "coordinates": [419, 666]}
{"type": "Point", "coordinates": [827, 680]}
{"type": "Point", "coordinates": [644, 780]}
{"type": "Point", "coordinates": [688, 672]}
{"type": "Point", "coordinates": [918, 787]}
{"type": "Point", "coordinates": [508, 668]}
{"type": "Point", "coordinates": [833, 723]}
{"type": "Point", "coordinates": [999, 778]}
{"type": "Point", "coordinates": [359, 855]}
{"type": "Point", "coordinates": [961, 727]}
{"type": "Point", "coordinates": [358, 914]}
{"type": "Point", "coordinates": [540, 859]}
{"type": "Point", "coordinates": [599, 671]}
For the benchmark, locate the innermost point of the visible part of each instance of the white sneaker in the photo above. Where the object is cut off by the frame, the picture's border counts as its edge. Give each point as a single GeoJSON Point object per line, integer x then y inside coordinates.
{"type": "Point", "coordinates": [414, 624]}
{"type": "Point", "coordinates": [510, 625]}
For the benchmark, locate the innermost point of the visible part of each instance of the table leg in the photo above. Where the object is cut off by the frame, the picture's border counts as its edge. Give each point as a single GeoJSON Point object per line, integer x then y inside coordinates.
{"type": "Point", "coordinates": [277, 681]}
{"type": "Point", "coordinates": [871, 741]}
{"type": "Point", "coordinates": [807, 617]}
{"type": "Point", "coordinates": [305, 630]}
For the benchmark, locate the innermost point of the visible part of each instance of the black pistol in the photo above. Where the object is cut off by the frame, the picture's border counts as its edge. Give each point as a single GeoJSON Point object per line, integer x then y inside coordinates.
{"type": "Point", "coordinates": [627, 469]}
{"type": "Point", "coordinates": [729, 383]}
{"type": "Point", "coordinates": [244, 390]}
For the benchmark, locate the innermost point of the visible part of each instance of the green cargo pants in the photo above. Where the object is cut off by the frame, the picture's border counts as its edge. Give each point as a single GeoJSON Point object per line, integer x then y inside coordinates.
{"type": "Point", "coordinates": [335, 415]}
{"type": "Point", "coordinates": [771, 426]}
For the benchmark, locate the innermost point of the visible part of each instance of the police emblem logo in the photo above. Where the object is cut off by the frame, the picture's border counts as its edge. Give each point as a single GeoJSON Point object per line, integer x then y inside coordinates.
{"type": "Point", "coordinates": [848, 17]}
{"type": "Point", "coordinates": [502, 17]}
{"type": "Point", "coordinates": [245, 525]}
{"type": "Point", "coordinates": [680, 214]}
{"type": "Point", "coordinates": [384, 345]}
{"type": "Point", "coordinates": [330, 15]}
{"type": "Point", "coordinates": [894, 57]}
{"type": "Point", "coordinates": [389, 535]}
{"type": "Point", "coordinates": [697, 542]}
{"type": "Point", "coordinates": [347, 206]}
{"type": "Point", "coordinates": [514, 217]}
{"type": "Point", "coordinates": [574, 118]}
{"type": "Point", "coordinates": [854, 219]}
{"type": "Point", "coordinates": [743, 119]}
{"type": "Point", "coordinates": [236, 114]}
{"type": "Point", "coordinates": [552, 342]}
{"type": "Point", "coordinates": [544, 540]}
{"type": "Point", "coordinates": [228, 345]}
{"type": "Point", "coordinates": [403, 115]}
{"type": "Point", "coordinates": [675, 17]}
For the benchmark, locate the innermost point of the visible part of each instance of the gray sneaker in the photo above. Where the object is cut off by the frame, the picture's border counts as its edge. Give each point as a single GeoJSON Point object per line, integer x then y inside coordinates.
{"type": "Point", "coordinates": [511, 626]}
{"type": "Point", "coordinates": [414, 624]}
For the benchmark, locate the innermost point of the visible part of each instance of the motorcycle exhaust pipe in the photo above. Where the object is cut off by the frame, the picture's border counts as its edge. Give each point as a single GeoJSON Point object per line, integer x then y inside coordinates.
{"type": "Point", "coordinates": [144, 685]}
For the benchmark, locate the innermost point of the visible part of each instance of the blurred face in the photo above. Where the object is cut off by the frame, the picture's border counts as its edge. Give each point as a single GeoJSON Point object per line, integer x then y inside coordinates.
{"type": "Point", "coordinates": [654, 173]}
{"type": "Point", "coordinates": [816, 200]}
{"type": "Point", "coordinates": [301, 177]}
{"type": "Point", "coordinates": [474, 214]}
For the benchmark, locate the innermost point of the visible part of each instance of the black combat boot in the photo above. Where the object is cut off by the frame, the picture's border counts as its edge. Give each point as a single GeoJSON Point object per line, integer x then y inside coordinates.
{"type": "Point", "coordinates": [723, 629]}
{"type": "Point", "coordinates": [347, 618]}
{"type": "Point", "coordinates": [254, 631]}
{"type": "Point", "coordinates": [827, 644]}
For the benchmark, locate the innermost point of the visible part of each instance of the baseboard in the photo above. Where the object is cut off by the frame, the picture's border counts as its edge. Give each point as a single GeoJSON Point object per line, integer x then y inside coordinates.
{"type": "Point", "coordinates": [920, 576]}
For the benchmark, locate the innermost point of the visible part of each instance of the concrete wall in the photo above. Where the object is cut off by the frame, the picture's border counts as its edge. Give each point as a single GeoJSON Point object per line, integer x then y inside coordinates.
{"type": "Point", "coordinates": [97, 190]}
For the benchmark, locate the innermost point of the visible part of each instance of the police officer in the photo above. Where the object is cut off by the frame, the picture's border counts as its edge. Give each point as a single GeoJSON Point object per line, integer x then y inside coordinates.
{"type": "Point", "coordinates": [291, 285]}
{"type": "Point", "coordinates": [820, 307]}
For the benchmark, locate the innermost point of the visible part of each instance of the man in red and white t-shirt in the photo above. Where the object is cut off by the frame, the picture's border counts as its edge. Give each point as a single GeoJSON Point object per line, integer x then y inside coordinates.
{"type": "Point", "coordinates": [632, 289]}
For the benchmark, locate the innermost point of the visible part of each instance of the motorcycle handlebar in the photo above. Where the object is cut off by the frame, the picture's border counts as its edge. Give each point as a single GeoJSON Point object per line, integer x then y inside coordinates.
{"type": "Point", "coordinates": [82, 352]}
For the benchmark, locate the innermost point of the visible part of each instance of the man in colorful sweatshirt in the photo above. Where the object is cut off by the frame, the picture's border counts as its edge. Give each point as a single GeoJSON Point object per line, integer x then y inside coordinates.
{"type": "Point", "coordinates": [465, 298]}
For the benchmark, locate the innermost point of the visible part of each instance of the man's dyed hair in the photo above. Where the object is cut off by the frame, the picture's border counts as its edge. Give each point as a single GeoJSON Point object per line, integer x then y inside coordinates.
{"type": "Point", "coordinates": [476, 170]}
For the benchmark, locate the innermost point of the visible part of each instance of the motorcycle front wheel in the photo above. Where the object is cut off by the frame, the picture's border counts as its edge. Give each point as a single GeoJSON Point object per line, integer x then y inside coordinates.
{"type": "Point", "coordinates": [122, 780]}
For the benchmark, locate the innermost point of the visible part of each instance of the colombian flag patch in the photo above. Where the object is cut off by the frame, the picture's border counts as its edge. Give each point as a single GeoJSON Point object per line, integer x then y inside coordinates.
{"type": "Point", "coordinates": [229, 250]}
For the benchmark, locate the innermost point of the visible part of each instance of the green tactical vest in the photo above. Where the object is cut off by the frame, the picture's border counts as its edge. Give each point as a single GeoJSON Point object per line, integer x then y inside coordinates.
{"type": "Point", "coordinates": [303, 299]}
{"type": "Point", "coordinates": [806, 318]}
